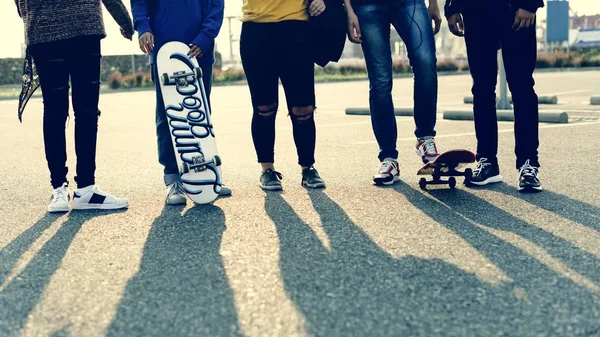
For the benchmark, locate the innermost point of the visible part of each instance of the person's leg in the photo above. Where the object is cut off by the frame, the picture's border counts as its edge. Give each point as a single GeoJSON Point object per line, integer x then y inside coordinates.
{"type": "Point", "coordinates": [166, 154]}
{"type": "Point", "coordinates": [259, 60]}
{"type": "Point", "coordinates": [297, 77]}
{"type": "Point", "coordinates": [374, 22]}
{"type": "Point", "coordinates": [482, 52]}
{"type": "Point", "coordinates": [53, 71]}
{"type": "Point", "coordinates": [520, 54]}
{"type": "Point", "coordinates": [85, 79]}
{"type": "Point", "coordinates": [84, 63]}
{"type": "Point", "coordinates": [413, 24]}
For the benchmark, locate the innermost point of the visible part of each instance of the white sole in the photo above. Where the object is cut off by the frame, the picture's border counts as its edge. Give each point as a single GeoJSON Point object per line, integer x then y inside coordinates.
{"type": "Point", "coordinates": [271, 188]}
{"type": "Point", "coordinates": [386, 183]}
{"type": "Point", "coordinates": [530, 189]}
{"type": "Point", "coordinates": [491, 180]}
{"type": "Point", "coordinates": [99, 207]}
{"type": "Point", "coordinates": [58, 210]}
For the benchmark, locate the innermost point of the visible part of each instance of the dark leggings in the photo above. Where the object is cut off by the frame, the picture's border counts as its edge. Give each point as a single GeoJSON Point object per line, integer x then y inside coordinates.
{"type": "Point", "coordinates": [56, 62]}
{"type": "Point", "coordinates": [273, 51]}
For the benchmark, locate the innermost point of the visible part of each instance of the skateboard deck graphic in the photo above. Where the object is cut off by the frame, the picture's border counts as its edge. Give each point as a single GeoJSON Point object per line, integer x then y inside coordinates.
{"type": "Point", "coordinates": [447, 164]}
{"type": "Point", "coordinates": [190, 124]}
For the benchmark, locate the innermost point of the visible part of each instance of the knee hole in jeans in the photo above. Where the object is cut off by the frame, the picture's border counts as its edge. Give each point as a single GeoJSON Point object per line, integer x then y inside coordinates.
{"type": "Point", "coordinates": [266, 111]}
{"type": "Point", "coordinates": [302, 114]}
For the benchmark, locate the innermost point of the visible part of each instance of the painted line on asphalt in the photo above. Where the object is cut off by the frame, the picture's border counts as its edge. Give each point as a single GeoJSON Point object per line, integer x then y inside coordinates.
{"type": "Point", "coordinates": [567, 92]}
{"type": "Point", "coordinates": [473, 133]}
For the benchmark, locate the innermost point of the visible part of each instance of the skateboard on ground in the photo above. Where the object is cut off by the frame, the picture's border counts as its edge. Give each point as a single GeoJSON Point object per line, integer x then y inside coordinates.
{"type": "Point", "coordinates": [190, 124]}
{"type": "Point", "coordinates": [447, 164]}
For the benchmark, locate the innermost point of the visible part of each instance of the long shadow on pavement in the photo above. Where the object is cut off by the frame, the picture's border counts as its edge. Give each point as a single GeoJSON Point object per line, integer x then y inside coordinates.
{"type": "Point", "coordinates": [484, 213]}
{"type": "Point", "coordinates": [11, 253]}
{"type": "Point", "coordinates": [357, 289]}
{"type": "Point", "coordinates": [574, 210]}
{"type": "Point", "coordinates": [19, 297]}
{"type": "Point", "coordinates": [181, 288]}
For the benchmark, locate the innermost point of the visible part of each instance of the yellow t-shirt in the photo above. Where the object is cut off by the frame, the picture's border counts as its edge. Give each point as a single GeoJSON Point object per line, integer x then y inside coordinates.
{"type": "Point", "coordinates": [274, 10]}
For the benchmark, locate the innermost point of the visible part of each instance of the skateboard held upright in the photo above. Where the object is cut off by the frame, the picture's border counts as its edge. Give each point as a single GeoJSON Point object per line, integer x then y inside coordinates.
{"type": "Point", "coordinates": [447, 164]}
{"type": "Point", "coordinates": [190, 124]}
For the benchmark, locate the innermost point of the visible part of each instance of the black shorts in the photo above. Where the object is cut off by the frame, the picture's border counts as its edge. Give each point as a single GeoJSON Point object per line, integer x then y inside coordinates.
{"type": "Point", "coordinates": [278, 50]}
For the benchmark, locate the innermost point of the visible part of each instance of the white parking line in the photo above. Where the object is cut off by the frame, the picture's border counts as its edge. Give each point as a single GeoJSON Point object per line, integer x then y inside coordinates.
{"type": "Point", "coordinates": [551, 126]}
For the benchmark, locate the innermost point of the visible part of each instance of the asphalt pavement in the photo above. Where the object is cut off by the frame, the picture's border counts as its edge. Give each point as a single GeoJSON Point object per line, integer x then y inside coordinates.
{"type": "Point", "coordinates": [350, 260]}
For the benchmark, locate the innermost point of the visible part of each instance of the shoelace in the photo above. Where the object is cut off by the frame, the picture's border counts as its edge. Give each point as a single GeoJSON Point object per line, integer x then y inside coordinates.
{"type": "Point", "coordinates": [482, 164]}
{"type": "Point", "coordinates": [527, 170]}
{"type": "Point", "coordinates": [177, 189]}
{"type": "Point", "coordinates": [275, 173]}
{"type": "Point", "coordinates": [430, 147]}
{"type": "Point", "coordinates": [386, 166]}
{"type": "Point", "coordinates": [60, 194]}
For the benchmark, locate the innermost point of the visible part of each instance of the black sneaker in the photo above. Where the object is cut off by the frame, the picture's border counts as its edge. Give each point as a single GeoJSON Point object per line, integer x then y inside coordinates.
{"type": "Point", "coordinates": [485, 173]}
{"type": "Point", "coordinates": [271, 180]}
{"type": "Point", "coordinates": [529, 180]}
{"type": "Point", "coordinates": [311, 179]}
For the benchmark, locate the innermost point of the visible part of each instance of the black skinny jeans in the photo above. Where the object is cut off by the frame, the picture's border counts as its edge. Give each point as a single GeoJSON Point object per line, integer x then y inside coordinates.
{"type": "Point", "coordinates": [270, 52]}
{"type": "Point", "coordinates": [488, 27]}
{"type": "Point", "coordinates": [56, 62]}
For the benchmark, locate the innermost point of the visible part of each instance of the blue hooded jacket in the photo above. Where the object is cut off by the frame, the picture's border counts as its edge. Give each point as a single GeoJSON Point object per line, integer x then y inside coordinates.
{"type": "Point", "coordinates": [189, 21]}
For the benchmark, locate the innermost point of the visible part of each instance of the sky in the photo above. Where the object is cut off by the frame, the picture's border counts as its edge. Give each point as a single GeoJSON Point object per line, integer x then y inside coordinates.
{"type": "Point", "coordinates": [11, 28]}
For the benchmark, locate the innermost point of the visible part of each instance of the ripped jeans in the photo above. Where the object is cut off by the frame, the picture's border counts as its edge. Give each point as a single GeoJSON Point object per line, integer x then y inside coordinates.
{"type": "Point", "coordinates": [280, 51]}
{"type": "Point", "coordinates": [77, 59]}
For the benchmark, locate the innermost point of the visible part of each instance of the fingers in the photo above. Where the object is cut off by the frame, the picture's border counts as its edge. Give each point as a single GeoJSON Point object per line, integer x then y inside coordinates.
{"type": "Point", "coordinates": [146, 42]}
{"type": "Point", "coordinates": [354, 33]}
{"type": "Point", "coordinates": [316, 8]}
{"type": "Point", "coordinates": [517, 23]}
{"type": "Point", "coordinates": [438, 25]}
{"type": "Point", "coordinates": [195, 51]}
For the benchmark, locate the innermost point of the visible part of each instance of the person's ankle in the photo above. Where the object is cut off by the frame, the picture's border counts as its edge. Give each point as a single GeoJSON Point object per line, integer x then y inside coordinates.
{"type": "Point", "coordinates": [267, 166]}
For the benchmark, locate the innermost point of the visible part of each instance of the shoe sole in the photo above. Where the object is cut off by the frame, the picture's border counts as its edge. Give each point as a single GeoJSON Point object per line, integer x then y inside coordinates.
{"type": "Point", "coordinates": [380, 182]}
{"type": "Point", "coordinates": [174, 203]}
{"type": "Point", "coordinates": [322, 185]}
{"type": "Point", "coordinates": [271, 188]}
{"type": "Point", "coordinates": [491, 180]}
{"type": "Point", "coordinates": [530, 189]}
{"type": "Point", "coordinates": [58, 210]}
{"type": "Point", "coordinates": [99, 207]}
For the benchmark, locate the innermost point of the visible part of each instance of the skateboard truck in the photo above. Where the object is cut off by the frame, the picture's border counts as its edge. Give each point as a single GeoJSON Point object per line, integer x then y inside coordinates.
{"type": "Point", "coordinates": [446, 171]}
{"type": "Point", "coordinates": [199, 164]}
{"type": "Point", "coordinates": [182, 79]}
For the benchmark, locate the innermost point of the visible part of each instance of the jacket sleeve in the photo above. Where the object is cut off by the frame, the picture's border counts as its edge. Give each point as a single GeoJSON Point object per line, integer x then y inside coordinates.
{"type": "Point", "coordinates": [452, 7]}
{"type": "Point", "coordinates": [141, 16]}
{"type": "Point", "coordinates": [18, 8]}
{"type": "Point", "coordinates": [119, 12]}
{"type": "Point", "coordinates": [528, 5]}
{"type": "Point", "coordinates": [211, 26]}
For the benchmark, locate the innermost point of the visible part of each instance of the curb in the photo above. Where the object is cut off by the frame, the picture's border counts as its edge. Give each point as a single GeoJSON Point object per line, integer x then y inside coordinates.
{"type": "Point", "coordinates": [541, 100]}
{"type": "Point", "coordinates": [508, 116]}
{"type": "Point", "coordinates": [405, 112]}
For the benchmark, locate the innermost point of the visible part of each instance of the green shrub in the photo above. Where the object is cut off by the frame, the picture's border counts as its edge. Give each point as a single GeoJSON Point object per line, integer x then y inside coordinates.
{"type": "Point", "coordinates": [400, 67]}
{"type": "Point", "coordinates": [447, 66]}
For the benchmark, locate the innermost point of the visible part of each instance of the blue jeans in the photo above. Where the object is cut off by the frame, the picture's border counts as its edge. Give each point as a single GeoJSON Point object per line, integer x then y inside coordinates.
{"type": "Point", "coordinates": [166, 154]}
{"type": "Point", "coordinates": [412, 22]}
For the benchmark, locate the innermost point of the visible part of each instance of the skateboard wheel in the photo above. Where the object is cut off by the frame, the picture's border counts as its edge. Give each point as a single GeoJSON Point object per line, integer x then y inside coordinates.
{"type": "Point", "coordinates": [185, 168]}
{"type": "Point", "coordinates": [423, 183]}
{"type": "Point", "coordinates": [217, 161]}
{"type": "Point", "coordinates": [452, 182]}
{"type": "Point", "coordinates": [165, 78]}
{"type": "Point", "coordinates": [198, 73]}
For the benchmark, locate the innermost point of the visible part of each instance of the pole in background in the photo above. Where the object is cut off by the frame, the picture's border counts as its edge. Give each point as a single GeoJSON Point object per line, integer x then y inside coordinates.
{"type": "Point", "coordinates": [503, 103]}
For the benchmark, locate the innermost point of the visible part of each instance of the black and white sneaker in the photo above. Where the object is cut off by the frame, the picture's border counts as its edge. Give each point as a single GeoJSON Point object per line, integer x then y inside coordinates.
{"type": "Point", "coordinates": [270, 180]}
{"type": "Point", "coordinates": [485, 173]}
{"type": "Point", "coordinates": [388, 172]}
{"type": "Point", "coordinates": [92, 197]}
{"type": "Point", "coordinates": [311, 178]}
{"type": "Point", "coordinates": [529, 180]}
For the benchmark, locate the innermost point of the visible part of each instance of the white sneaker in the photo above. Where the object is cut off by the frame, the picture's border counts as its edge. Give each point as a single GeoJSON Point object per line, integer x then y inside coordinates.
{"type": "Point", "coordinates": [427, 150]}
{"type": "Point", "coordinates": [176, 194]}
{"type": "Point", "coordinates": [60, 199]}
{"type": "Point", "coordinates": [93, 198]}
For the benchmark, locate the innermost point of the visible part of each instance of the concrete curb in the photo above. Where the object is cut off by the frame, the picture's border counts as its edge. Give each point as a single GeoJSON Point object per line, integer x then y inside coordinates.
{"type": "Point", "coordinates": [595, 100]}
{"type": "Point", "coordinates": [405, 112]}
{"type": "Point", "coordinates": [508, 116]}
{"type": "Point", "coordinates": [541, 100]}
